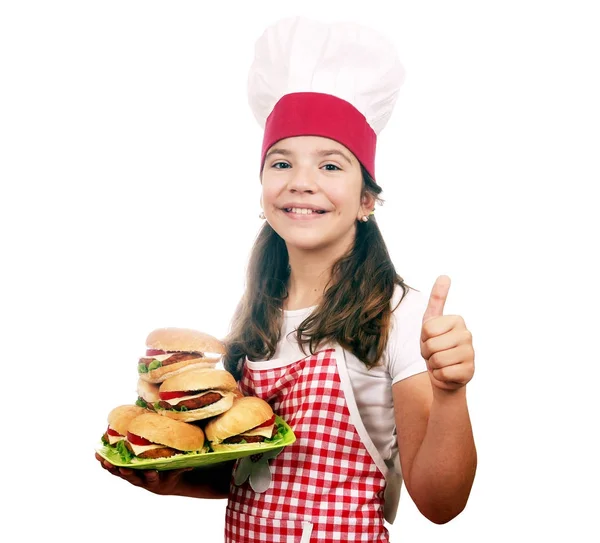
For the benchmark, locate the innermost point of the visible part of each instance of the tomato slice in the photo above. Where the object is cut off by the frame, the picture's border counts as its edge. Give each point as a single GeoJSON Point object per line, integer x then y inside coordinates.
{"type": "Point", "coordinates": [267, 423]}
{"type": "Point", "coordinates": [154, 352]}
{"type": "Point", "coordinates": [112, 432]}
{"type": "Point", "coordinates": [174, 394]}
{"type": "Point", "coordinates": [137, 440]}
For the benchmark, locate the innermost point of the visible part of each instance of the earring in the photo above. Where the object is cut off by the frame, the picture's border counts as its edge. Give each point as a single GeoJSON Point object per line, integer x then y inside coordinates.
{"type": "Point", "coordinates": [365, 218]}
{"type": "Point", "coordinates": [262, 215]}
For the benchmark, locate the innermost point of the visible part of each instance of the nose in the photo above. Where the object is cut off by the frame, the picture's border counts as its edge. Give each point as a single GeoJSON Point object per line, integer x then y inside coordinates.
{"type": "Point", "coordinates": [303, 180]}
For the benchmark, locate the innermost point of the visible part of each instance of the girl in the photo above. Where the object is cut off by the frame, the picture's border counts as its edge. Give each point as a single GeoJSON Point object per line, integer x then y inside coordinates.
{"type": "Point", "coordinates": [370, 374]}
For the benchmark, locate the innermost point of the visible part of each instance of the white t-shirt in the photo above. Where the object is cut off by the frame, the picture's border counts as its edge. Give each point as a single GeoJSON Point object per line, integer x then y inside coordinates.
{"type": "Point", "coordinates": [373, 387]}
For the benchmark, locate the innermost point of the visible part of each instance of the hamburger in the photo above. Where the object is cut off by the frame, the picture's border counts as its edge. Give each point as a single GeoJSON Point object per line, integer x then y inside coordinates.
{"type": "Point", "coordinates": [153, 436]}
{"type": "Point", "coordinates": [248, 424]}
{"type": "Point", "coordinates": [196, 394]}
{"type": "Point", "coordinates": [118, 423]}
{"type": "Point", "coordinates": [171, 351]}
{"type": "Point", "coordinates": [147, 394]}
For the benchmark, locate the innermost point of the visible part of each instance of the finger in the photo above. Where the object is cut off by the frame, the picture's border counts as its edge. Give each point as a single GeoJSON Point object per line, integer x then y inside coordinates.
{"type": "Point", "coordinates": [131, 476]}
{"type": "Point", "coordinates": [445, 385]}
{"type": "Point", "coordinates": [151, 476]}
{"type": "Point", "coordinates": [439, 336]}
{"type": "Point", "coordinates": [437, 298]}
{"type": "Point", "coordinates": [438, 326]}
{"type": "Point", "coordinates": [456, 374]}
{"type": "Point", "coordinates": [174, 473]}
{"type": "Point", "coordinates": [457, 355]}
{"type": "Point", "coordinates": [106, 464]}
{"type": "Point", "coordinates": [169, 477]}
{"type": "Point", "coordinates": [439, 344]}
{"type": "Point", "coordinates": [103, 462]}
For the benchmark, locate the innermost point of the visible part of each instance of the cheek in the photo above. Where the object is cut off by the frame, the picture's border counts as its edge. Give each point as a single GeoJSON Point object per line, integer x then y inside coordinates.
{"type": "Point", "coordinates": [344, 203]}
{"type": "Point", "coordinates": [269, 194]}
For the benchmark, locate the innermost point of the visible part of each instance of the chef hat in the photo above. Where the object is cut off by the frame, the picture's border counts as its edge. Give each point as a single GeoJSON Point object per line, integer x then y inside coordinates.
{"type": "Point", "coordinates": [336, 80]}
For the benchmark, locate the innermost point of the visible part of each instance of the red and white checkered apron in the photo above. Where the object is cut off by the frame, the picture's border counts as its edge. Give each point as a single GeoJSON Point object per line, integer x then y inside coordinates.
{"type": "Point", "coordinates": [325, 487]}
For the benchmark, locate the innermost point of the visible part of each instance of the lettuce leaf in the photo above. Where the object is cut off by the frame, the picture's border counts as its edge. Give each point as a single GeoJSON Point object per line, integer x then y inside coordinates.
{"type": "Point", "coordinates": [154, 365]}
{"type": "Point", "coordinates": [158, 407]}
{"type": "Point", "coordinates": [124, 453]}
{"type": "Point", "coordinates": [279, 434]}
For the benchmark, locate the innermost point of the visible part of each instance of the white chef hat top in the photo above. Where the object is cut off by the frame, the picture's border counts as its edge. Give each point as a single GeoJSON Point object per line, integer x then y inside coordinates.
{"type": "Point", "coordinates": [337, 80]}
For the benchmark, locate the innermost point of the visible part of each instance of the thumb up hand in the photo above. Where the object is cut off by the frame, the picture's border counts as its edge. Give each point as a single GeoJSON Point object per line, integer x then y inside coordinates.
{"type": "Point", "coordinates": [446, 344]}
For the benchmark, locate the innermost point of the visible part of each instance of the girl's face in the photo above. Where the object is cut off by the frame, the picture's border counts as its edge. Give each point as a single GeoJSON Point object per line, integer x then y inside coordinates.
{"type": "Point", "coordinates": [311, 192]}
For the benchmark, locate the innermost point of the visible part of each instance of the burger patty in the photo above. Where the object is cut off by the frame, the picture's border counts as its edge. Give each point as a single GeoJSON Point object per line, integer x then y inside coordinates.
{"type": "Point", "coordinates": [177, 357]}
{"type": "Point", "coordinates": [247, 439]}
{"type": "Point", "coordinates": [194, 403]}
{"type": "Point", "coordinates": [163, 452]}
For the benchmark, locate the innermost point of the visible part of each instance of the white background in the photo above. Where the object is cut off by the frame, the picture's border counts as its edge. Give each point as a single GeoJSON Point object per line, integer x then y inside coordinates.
{"type": "Point", "coordinates": [130, 200]}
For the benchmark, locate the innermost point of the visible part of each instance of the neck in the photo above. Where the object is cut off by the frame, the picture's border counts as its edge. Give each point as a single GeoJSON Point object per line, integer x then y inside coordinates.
{"type": "Point", "coordinates": [310, 273]}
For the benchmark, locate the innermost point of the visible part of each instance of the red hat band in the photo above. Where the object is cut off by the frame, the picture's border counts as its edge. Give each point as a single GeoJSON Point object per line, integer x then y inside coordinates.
{"type": "Point", "coordinates": [318, 114]}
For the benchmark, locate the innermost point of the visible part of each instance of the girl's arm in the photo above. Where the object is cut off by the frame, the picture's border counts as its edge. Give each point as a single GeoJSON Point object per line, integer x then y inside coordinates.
{"type": "Point", "coordinates": [210, 483]}
{"type": "Point", "coordinates": [435, 439]}
{"type": "Point", "coordinates": [437, 450]}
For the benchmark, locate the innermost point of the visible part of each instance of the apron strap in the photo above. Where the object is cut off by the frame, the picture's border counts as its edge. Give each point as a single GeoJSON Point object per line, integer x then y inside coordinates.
{"type": "Point", "coordinates": [307, 528]}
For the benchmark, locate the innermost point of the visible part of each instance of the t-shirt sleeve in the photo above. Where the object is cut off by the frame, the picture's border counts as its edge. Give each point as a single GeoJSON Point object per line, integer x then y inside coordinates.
{"type": "Point", "coordinates": [403, 352]}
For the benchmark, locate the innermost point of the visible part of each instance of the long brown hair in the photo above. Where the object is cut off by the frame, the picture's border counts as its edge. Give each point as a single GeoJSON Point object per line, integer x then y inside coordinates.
{"type": "Point", "coordinates": [354, 311]}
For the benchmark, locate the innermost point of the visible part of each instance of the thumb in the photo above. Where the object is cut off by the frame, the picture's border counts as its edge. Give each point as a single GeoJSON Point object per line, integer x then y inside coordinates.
{"type": "Point", "coordinates": [437, 298]}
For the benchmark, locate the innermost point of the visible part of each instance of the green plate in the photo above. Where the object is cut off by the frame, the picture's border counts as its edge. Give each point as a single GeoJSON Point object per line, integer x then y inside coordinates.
{"type": "Point", "coordinates": [196, 460]}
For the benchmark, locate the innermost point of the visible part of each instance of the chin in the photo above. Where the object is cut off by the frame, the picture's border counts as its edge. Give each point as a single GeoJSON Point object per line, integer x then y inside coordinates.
{"type": "Point", "coordinates": [305, 241]}
{"type": "Point", "coordinates": [308, 239]}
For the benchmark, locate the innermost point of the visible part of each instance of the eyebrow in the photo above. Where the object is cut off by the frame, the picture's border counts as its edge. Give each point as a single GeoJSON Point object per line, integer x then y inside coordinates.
{"type": "Point", "coordinates": [320, 152]}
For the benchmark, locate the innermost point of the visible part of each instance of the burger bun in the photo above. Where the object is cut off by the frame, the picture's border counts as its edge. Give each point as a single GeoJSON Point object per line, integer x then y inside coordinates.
{"type": "Point", "coordinates": [159, 375]}
{"type": "Point", "coordinates": [209, 349]}
{"type": "Point", "coordinates": [120, 417]}
{"type": "Point", "coordinates": [147, 391]}
{"type": "Point", "coordinates": [184, 340]}
{"type": "Point", "coordinates": [207, 379]}
{"type": "Point", "coordinates": [168, 432]}
{"type": "Point", "coordinates": [246, 413]}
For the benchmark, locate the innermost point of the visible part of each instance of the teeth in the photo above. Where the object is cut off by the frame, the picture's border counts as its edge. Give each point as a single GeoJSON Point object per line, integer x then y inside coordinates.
{"type": "Point", "coordinates": [301, 211]}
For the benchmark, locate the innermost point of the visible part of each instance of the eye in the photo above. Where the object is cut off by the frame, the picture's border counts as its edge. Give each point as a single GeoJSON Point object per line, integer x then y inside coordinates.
{"type": "Point", "coordinates": [332, 167]}
{"type": "Point", "coordinates": [280, 165]}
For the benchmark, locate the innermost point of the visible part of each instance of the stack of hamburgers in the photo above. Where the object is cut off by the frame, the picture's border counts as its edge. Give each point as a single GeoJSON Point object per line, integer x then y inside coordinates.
{"type": "Point", "coordinates": [185, 404]}
{"type": "Point", "coordinates": [170, 352]}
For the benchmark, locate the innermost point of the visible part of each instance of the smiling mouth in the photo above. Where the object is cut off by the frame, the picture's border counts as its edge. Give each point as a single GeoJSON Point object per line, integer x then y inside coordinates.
{"type": "Point", "coordinates": [303, 211]}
